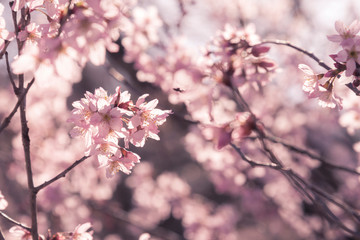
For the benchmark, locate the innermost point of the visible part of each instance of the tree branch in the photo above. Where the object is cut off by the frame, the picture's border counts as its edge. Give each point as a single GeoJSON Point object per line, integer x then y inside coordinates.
{"type": "Point", "coordinates": [26, 146]}
{"type": "Point", "coordinates": [7, 120]}
{"type": "Point", "coordinates": [60, 175]}
{"type": "Point", "coordinates": [311, 155]}
{"type": "Point", "coordinates": [313, 193]}
{"type": "Point", "coordinates": [309, 54]}
{"type": "Point", "coordinates": [9, 73]}
{"type": "Point", "coordinates": [9, 219]}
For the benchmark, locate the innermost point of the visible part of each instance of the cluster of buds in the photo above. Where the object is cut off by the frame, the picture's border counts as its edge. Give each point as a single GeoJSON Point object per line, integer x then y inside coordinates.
{"type": "Point", "coordinates": [236, 57]}
{"type": "Point", "coordinates": [103, 120]}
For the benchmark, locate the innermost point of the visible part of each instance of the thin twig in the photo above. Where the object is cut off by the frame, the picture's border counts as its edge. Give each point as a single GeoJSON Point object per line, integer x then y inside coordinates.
{"type": "Point", "coordinates": [3, 51]}
{"type": "Point", "coordinates": [252, 163]}
{"type": "Point", "coordinates": [311, 155]}
{"type": "Point", "coordinates": [9, 73]}
{"type": "Point", "coordinates": [353, 88]}
{"type": "Point", "coordinates": [311, 192]}
{"type": "Point", "coordinates": [309, 54]}
{"type": "Point", "coordinates": [9, 219]}
{"type": "Point", "coordinates": [7, 120]}
{"type": "Point", "coordinates": [60, 175]}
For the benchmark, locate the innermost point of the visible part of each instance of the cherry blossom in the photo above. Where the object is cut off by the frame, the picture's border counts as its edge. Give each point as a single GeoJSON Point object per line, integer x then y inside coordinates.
{"type": "Point", "coordinates": [344, 31]}
{"type": "Point", "coordinates": [311, 84]}
{"type": "Point", "coordinates": [22, 233]}
{"type": "Point", "coordinates": [5, 35]}
{"type": "Point", "coordinates": [349, 55]}
{"type": "Point", "coordinates": [81, 232]}
{"type": "Point", "coordinates": [104, 119]}
{"type": "Point", "coordinates": [31, 35]}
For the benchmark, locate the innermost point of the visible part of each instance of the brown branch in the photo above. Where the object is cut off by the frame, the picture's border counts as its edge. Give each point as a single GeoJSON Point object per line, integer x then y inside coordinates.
{"type": "Point", "coordinates": [251, 162]}
{"type": "Point", "coordinates": [26, 146]}
{"type": "Point", "coordinates": [60, 175]}
{"type": "Point", "coordinates": [353, 88]}
{"type": "Point", "coordinates": [7, 120]}
{"type": "Point", "coordinates": [313, 193]}
{"type": "Point", "coordinates": [311, 155]}
{"type": "Point", "coordinates": [9, 219]}
{"type": "Point", "coordinates": [4, 49]}
{"type": "Point", "coordinates": [309, 54]}
{"type": "Point", "coordinates": [9, 73]}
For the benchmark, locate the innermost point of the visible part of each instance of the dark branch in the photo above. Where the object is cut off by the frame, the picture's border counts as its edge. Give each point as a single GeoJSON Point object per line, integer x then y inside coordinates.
{"type": "Point", "coordinates": [9, 219]}
{"type": "Point", "coordinates": [309, 54]}
{"type": "Point", "coordinates": [353, 88]}
{"type": "Point", "coordinates": [60, 175]}
{"type": "Point", "coordinates": [9, 73]}
{"type": "Point", "coordinates": [7, 120]}
{"type": "Point", "coordinates": [311, 155]}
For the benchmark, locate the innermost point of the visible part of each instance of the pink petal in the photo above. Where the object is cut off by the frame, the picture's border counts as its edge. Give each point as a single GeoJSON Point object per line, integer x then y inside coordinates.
{"type": "Point", "coordinates": [306, 69]}
{"type": "Point", "coordinates": [354, 27]}
{"type": "Point", "coordinates": [334, 38]}
{"type": "Point", "coordinates": [350, 67]}
{"type": "Point", "coordinates": [340, 27]}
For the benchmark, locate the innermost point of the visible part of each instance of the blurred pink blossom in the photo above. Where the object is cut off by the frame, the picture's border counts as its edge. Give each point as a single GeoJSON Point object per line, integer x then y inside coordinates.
{"type": "Point", "coordinates": [3, 202]}
{"type": "Point", "coordinates": [350, 55]}
{"type": "Point", "coordinates": [344, 31]}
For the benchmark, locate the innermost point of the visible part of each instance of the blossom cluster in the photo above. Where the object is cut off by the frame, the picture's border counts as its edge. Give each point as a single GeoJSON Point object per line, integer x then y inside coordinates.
{"type": "Point", "coordinates": [75, 32]}
{"type": "Point", "coordinates": [347, 62]}
{"type": "Point", "coordinates": [103, 120]}
{"type": "Point", "coordinates": [236, 57]}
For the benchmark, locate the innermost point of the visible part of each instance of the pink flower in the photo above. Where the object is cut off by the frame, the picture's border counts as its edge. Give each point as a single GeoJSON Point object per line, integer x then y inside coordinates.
{"type": "Point", "coordinates": [324, 92]}
{"type": "Point", "coordinates": [81, 232]}
{"type": "Point", "coordinates": [103, 149]}
{"type": "Point", "coordinates": [344, 31]}
{"type": "Point", "coordinates": [5, 35]}
{"type": "Point", "coordinates": [22, 233]}
{"type": "Point", "coordinates": [87, 33]}
{"type": "Point", "coordinates": [52, 7]}
{"type": "Point", "coordinates": [100, 119]}
{"type": "Point", "coordinates": [49, 59]}
{"type": "Point", "coordinates": [349, 55]}
{"type": "Point", "coordinates": [328, 98]}
{"type": "Point", "coordinates": [243, 126]}
{"type": "Point", "coordinates": [3, 202]}
{"type": "Point", "coordinates": [222, 136]}
{"type": "Point", "coordinates": [107, 119]}
{"type": "Point", "coordinates": [145, 236]}
{"type": "Point", "coordinates": [32, 34]}
{"type": "Point", "coordinates": [125, 163]}
{"type": "Point", "coordinates": [311, 84]}
{"type": "Point", "coordinates": [146, 120]}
